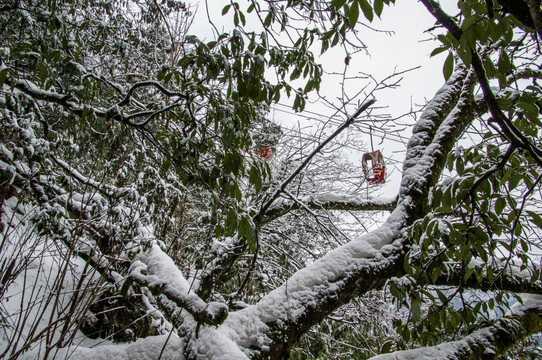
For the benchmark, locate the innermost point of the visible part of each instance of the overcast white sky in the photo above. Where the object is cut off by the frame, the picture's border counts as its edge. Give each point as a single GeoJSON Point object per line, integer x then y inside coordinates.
{"type": "Point", "coordinates": [405, 49]}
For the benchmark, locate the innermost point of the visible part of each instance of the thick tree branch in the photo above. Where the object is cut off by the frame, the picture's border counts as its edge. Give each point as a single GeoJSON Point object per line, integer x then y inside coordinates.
{"type": "Point", "coordinates": [366, 263]}
{"type": "Point", "coordinates": [211, 314]}
{"type": "Point", "coordinates": [513, 134]}
{"type": "Point", "coordinates": [487, 343]}
{"type": "Point", "coordinates": [157, 271]}
{"type": "Point", "coordinates": [536, 15]}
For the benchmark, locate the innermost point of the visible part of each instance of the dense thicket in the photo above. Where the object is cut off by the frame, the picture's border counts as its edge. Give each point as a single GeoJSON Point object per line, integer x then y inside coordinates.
{"type": "Point", "coordinates": [148, 201]}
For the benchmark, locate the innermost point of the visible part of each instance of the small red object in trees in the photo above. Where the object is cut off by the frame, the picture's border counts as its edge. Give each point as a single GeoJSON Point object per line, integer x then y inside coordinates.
{"type": "Point", "coordinates": [264, 153]}
{"type": "Point", "coordinates": [375, 172]}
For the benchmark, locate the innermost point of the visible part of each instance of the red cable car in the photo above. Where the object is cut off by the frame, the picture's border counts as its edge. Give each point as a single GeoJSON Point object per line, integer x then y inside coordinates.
{"type": "Point", "coordinates": [264, 153]}
{"type": "Point", "coordinates": [375, 173]}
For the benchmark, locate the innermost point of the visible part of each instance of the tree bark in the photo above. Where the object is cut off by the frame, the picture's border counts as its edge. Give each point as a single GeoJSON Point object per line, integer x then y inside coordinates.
{"type": "Point", "coordinates": [487, 343]}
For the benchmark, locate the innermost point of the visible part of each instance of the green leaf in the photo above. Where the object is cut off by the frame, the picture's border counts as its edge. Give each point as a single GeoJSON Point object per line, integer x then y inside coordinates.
{"type": "Point", "coordinates": [255, 178]}
{"type": "Point", "coordinates": [524, 245]}
{"type": "Point", "coordinates": [468, 22]}
{"type": "Point", "coordinates": [480, 29]}
{"type": "Point", "coordinates": [337, 4]}
{"type": "Point", "coordinates": [465, 53]}
{"type": "Point", "coordinates": [353, 14]}
{"type": "Point", "coordinates": [448, 67]}
{"type": "Point", "coordinates": [167, 78]}
{"type": "Point", "coordinates": [160, 75]}
{"type": "Point", "coordinates": [268, 19]}
{"type": "Point", "coordinates": [435, 274]}
{"type": "Point", "coordinates": [489, 67]}
{"type": "Point", "coordinates": [226, 9]}
{"type": "Point", "coordinates": [386, 347]}
{"type": "Point", "coordinates": [445, 40]}
{"type": "Point", "coordinates": [468, 274]}
{"type": "Point", "coordinates": [378, 7]}
{"type": "Point", "coordinates": [504, 63]}
{"type": "Point", "coordinates": [514, 180]}
{"type": "Point", "coordinates": [367, 9]}
{"type": "Point", "coordinates": [245, 229]}
{"type": "Point", "coordinates": [3, 75]}
{"type": "Point", "coordinates": [537, 219]}
{"type": "Point", "coordinates": [494, 31]}
{"type": "Point", "coordinates": [529, 109]}
{"type": "Point", "coordinates": [443, 298]}
{"type": "Point", "coordinates": [438, 50]}
{"type": "Point", "coordinates": [416, 308]}
{"type": "Point", "coordinates": [500, 205]}
{"type": "Point", "coordinates": [231, 222]}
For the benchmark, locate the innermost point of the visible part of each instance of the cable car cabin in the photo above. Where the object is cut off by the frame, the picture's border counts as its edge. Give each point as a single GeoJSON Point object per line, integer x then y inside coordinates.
{"type": "Point", "coordinates": [374, 167]}
{"type": "Point", "coordinates": [264, 153]}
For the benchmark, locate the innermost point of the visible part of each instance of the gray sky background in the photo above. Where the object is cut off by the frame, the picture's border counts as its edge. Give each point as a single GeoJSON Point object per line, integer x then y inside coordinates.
{"type": "Point", "coordinates": [406, 48]}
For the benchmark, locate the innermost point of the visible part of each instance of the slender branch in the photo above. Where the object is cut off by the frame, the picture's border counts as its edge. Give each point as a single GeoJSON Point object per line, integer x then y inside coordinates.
{"type": "Point", "coordinates": [329, 202]}
{"type": "Point", "coordinates": [150, 83]}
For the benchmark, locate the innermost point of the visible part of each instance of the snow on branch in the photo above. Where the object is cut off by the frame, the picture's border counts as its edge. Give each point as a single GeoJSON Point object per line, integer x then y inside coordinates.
{"type": "Point", "coordinates": [330, 201]}
{"type": "Point", "coordinates": [65, 100]}
{"type": "Point", "coordinates": [367, 262]}
{"type": "Point", "coordinates": [113, 112]}
{"type": "Point", "coordinates": [512, 133]}
{"type": "Point", "coordinates": [169, 347]}
{"type": "Point", "coordinates": [154, 269]}
{"type": "Point", "coordinates": [486, 343]}
{"type": "Point", "coordinates": [100, 186]}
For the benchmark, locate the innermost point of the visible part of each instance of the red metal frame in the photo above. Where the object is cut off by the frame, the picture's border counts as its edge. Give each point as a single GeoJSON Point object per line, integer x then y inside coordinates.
{"type": "Point", "coordinates": [264, 152]}
{"type": "Point", "coordinates": [376, 172]}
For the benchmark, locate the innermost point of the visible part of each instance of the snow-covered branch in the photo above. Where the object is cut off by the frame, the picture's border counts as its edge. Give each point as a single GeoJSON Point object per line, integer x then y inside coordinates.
{"type": "Point", "coordinates": [367, 262]}
{"type": "Point", "coordinates": [65, 100]}
{"type": "Point", "coordinates": [512, 133]}
{"type": "Point", "coordinates": [109, 189]}
{"type": "Point", "coordinates": [330, 201]}
{"type": "Point", "coordinates": [113, 112]}
{"type": "Point", "coordinates": [486, 343]}
{"type": "Point", "coordinates": [157, 271]}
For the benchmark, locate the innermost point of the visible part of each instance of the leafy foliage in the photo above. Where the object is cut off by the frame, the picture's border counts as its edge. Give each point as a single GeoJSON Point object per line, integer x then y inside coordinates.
{"type": "Point", "coordinates": [121, 134]}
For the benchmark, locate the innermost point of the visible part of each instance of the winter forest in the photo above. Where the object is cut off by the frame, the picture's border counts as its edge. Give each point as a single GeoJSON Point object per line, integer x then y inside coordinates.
{"type": "Point", "coordinates": [151, 206]}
